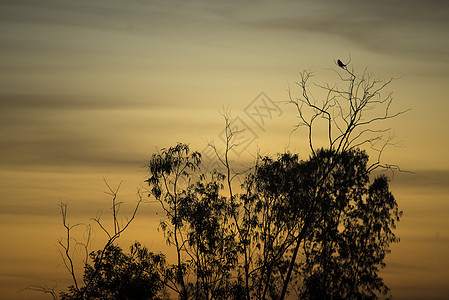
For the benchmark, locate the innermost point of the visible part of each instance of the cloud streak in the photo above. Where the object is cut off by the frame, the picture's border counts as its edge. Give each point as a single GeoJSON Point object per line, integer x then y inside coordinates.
{"type": "Point", "coordinates": [27, 102]}
{"type": "Point", "coordinates": [423, 180]}
{"type": "Point", "coordinates": [411, 28]}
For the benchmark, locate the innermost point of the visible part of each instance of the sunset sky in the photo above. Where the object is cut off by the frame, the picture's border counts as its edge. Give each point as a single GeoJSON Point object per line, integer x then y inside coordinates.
{"type": "Point", "coordinates": [90, 89]}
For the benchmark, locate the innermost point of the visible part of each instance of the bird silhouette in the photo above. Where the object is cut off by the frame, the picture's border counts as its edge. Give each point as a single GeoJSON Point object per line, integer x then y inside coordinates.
{"type": "Point", "coordinates": [340, 64]}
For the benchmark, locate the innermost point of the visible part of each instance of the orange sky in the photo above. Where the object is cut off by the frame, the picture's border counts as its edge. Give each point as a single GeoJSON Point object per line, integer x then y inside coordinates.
{"type": "Point", "coordinates": [90, 89]}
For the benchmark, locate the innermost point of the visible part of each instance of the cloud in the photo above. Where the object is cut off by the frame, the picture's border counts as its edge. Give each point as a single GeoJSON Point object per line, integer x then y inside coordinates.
{"type": "Point", "coordinates": [26, 102]}
{"type": "Point", "coordinates": [123, 16]}
{"type": "Point", "coordinates": [65, 151]}
{"type": "Point", "coordinates": [411, 28]}
{"type": "Point", "coordinates": [49, 131]}
{"type": "Point", "coordinates": [423, 180]}
{"type": "Point", "coordinates": [60, 131]}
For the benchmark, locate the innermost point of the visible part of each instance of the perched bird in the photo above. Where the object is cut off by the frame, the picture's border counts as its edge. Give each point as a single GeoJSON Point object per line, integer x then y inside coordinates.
{"type": "Point", "coordinates": [340, 64]}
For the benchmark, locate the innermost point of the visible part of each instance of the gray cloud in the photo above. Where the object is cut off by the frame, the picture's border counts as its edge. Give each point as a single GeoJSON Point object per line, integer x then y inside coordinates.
{"type": "Point", "coordinates": [51, 131]}
{"type": "Point", "coordinates": [65, 151]}
{"type": "Point", "coordinates": [126, 16]}
{"type": "Point", "coordinates": [411, 28]}
{"type": "Point", "coordinates": [25, 102]}
{"type": "Point", "coordinates": [430, 180]}
{"type": "Point", "coordinates": [414, 29]}
{"type": "Point", "coordinates": [60, 131]}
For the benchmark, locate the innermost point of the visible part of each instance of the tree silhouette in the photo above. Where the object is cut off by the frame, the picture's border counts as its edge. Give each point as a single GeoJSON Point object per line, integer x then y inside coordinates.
{"type": "Point", "coordinates": [315, 227]}
{"type": "Point", "coordinates": [198, 223]}
{"type": "Point", "coordinates": [171, 170]}
{"type": "Point", "coordinates": [319, 227]}
{"type": "Point", "coordinates": [351, 109]}
{"type": "Point", "coordinates": [117, 275]}
{"type": "Point", "coordinates": [319, 221]}
{"type": "Point", "coordinates": [92, 274]}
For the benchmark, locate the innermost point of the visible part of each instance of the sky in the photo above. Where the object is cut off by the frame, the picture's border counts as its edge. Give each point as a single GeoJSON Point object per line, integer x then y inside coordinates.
{"type": "Point", "coordinates": [90, 89]}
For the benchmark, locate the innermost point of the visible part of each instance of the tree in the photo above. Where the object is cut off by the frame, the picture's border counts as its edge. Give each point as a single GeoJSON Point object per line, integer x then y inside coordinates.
{"type": "Point", "coordinates": [351, 114]}
{"type": "Point", "coordinates": [171, 171]}
{"type": "Point", "coordinates": [316, 227]}
{"type": "Point", "coordinates": [105, 261]}
{"type": "Point", "coordinates": [211, 244]}
{"type": "Point", "coordinates": [198, 223]}
{"type": "Point", "coordinates": [319, 227]}
{"type": "Point", "coordinates": [323, 211]}
{"type": "Point", "coordinates": [117, 275]}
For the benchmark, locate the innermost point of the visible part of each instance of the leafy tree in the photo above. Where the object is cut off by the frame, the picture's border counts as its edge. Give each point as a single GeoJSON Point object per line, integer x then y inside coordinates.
{"type": "Point", "coordinates": [118, 275]}
{"type": "Point", "coordinates": [319, 220]}
{"type": "Point", "coordinates": [198, 223]}
{"type": "Point", "coordinates": [322, 211]}
{"type": "Point", "coordinates": [272, 217]}
{"type": "Point", "coordinates": [106, 262]}
{"type": "Point", "coordinates": [171, 171]}
{"type": "Point", "coordinates": [351, 115]}
{"type": "Point", "coordinates": [318, 227]}
{"type": "Point", "coordinates": [211, 250]}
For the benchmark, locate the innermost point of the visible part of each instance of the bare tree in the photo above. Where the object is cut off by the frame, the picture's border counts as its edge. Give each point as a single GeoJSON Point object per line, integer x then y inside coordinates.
{"type": "Point", "coordinates": [351, 111]}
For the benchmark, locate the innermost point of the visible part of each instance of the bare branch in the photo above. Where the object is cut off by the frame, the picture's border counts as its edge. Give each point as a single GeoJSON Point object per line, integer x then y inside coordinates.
{"type": "Point", "coordinates": [117, 230]}
{"type": "Point", "coordinates": [65, 254]}
{"type": "Point", "coordinates": [42, 289]}
{"type": "Point", "coordinates": [350, 112]}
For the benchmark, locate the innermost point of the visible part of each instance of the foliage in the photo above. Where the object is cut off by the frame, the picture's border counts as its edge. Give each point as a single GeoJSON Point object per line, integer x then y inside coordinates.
{"type": "Point", "coordinates": [323, 209]}
{"type": "Point", "coordinates": [319, 227]}
{"type": "Point", "coordinates": [346, 247]}
{"type": "Point", "coordinates": [118, 275]}
{"type": "Point", "coordinates": [197, 223]}
{"type": "Point", "coordinates": [319, 220]}
{"type": "Point", "coordinates": [211, 245]}
{"type": "Point", "coordinates": [170, 169]}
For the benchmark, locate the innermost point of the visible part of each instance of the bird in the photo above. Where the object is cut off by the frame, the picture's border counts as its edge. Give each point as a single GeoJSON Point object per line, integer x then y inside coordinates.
{"type": "Point", "coordinates": [340, 64]}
